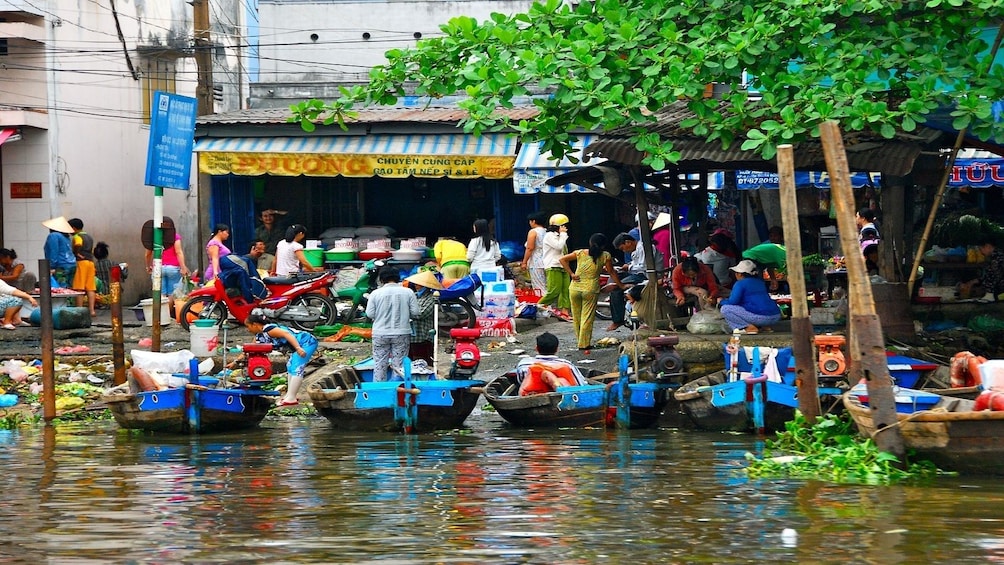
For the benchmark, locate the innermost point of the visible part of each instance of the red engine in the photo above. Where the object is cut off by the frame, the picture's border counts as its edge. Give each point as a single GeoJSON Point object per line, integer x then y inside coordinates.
{"type": "Point", "coordinates": [466, 355]}
{"type": "Point", "coordinates": [259, 366]}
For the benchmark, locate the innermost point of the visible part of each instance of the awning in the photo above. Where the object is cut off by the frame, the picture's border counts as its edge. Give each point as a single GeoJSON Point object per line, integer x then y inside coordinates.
{"type": "Point", "coordinates": [457, 156]}
{"type": "Point", "coordinates": [977, 173]}
{"type": "Point", "coordinates": [533, 169]}
{"type": "Point", "coordinates": [7, 133]}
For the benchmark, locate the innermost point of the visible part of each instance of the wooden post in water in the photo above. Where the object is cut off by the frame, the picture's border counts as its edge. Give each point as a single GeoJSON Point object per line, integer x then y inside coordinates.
{"type": "Point", "coordinates": [118, 342]}
{"type": "Point", "coordinates": [48, 349]}
{"type": "Point", "coordinates": [868, 359]}
{"type": "Point", "coordinates": [801, 326]}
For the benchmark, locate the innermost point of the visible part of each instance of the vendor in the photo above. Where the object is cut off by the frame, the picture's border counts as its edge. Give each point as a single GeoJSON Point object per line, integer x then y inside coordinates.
{"type": "Point", "coordinates": [868, 238]}
{"type": "Point", "coordinates": [992, 277]}
{"type": "Point", "coordinates": [770, 256]}
{"type": "Point", "coordinates": [451, 256]}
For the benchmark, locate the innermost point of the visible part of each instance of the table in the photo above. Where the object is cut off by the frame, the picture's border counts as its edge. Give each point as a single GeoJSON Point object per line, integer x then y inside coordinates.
{"type": "Point", "coordinates": [59, 300]}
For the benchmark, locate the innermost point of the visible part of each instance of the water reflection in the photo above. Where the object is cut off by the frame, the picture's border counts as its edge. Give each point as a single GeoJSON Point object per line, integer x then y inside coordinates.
{"type": "Point", "coordinates": [300, 491]}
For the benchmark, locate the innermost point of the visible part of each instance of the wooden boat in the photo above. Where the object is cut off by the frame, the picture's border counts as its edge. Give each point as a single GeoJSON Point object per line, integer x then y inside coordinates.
{"type": "Point", "coordinates": [620, 403]}
{"type": "Point", "coordinates": [191, 409]}
{"type": "Point", "coordinates": [948, 432]}
{"type": "Point", "coordinates": [350, 400]}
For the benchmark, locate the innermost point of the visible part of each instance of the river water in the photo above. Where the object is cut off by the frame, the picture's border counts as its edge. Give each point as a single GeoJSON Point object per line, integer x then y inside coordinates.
{"type": "Point", "coordinates": [298, 491]}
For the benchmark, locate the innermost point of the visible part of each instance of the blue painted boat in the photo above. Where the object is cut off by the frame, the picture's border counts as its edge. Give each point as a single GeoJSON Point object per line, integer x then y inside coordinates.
{"type": "Point", "coordinates": [621, 403]}
{"type": "Point", "coordinates": [195, 408]}
{"type": "Point", "coordinates": [350, 400]}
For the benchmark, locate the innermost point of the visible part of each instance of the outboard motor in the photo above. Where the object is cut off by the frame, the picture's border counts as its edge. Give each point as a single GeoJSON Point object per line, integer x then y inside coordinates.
{"type": "Point", "coordinates": [667, 364]}
{"type": "Point", "coordinates": [259, 366]}
{"type": "Point", "coordinates": [466, 355]}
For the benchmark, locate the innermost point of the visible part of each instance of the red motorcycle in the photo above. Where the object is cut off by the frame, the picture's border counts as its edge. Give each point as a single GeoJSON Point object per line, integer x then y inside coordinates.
{"type": "Point", "coordinates": [301, 300]}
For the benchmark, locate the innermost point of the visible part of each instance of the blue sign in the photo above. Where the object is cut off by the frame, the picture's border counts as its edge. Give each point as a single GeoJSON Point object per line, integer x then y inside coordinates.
{"type": "Point", "coordinates": [818, 179]}
{"type": "Point", "coordinates": [172, 133]}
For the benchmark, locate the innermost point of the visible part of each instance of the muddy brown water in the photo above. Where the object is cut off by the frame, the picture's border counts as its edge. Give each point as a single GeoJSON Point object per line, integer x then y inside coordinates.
{"type": "Point", "coordinates": [298, 491]}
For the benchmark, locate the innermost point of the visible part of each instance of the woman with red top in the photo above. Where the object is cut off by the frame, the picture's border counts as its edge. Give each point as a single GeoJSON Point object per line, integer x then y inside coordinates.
{"type": "Point", "coordinates": [696, 279]}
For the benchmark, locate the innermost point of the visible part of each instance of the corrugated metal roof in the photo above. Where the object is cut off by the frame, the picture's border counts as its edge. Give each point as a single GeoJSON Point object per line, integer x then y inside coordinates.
{"type": "Point", "coordinates": [452, 115]}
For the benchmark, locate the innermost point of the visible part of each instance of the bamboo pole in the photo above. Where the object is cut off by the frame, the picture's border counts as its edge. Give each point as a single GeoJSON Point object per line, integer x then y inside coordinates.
{"type": "Point", "coordinates": [801, 326]}
{"type": "Point", "coordinates": [868, 359]}
{"type": "Point", "coordinates": [653, 307]}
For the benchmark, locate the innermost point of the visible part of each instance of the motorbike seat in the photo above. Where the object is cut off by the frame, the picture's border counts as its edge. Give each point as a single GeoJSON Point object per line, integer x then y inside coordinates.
{"type": "Point", "coordinates": [292, 278]}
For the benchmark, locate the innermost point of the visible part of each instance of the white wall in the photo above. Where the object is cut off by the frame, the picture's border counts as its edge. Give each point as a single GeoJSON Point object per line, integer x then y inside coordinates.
{"type": "Point", "coordinates": [289, 54]}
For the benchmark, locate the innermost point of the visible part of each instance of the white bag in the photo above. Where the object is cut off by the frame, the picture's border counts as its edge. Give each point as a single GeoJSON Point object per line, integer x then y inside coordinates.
{"type": "Point", "coordinates": [347, 278]}
{"type": "Point", "coordinates": [707, 321]}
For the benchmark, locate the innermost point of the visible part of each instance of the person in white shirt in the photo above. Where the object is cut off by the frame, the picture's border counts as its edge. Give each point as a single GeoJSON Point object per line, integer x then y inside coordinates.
{"type": "Point", "coordinates": [391, 307]}
{"type": "Point", "coordinates": [483, 251]}
{"type": "Point", "coordinates": [289, 256]}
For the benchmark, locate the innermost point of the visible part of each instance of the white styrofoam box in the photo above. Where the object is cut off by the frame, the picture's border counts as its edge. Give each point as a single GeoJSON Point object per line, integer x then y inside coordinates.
{"type": "Point", "coordinates": [508, 300]}
{"type": "Point", "coordinates": [946, 293]}
{"type": "Point", "coordinates": [500, 287]}
{"type": "Point", "coordinates": [495, 274]}
{"type": "Point", "coordinates": [495, 312]}
{"type": "Point", "coordinates": [992, 374]}
{"type": "Point", "coordinates": [823, 316]}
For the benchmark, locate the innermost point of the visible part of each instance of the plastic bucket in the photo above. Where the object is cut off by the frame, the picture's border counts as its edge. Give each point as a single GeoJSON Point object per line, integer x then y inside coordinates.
{"type": "Point", "coordinates": [165, 315]}
{"type": "Point", "coordinates": [315, 257]}
{"type": "Point", "coordinates": [992, 374]}
{"type": "Point", "coordinates": [204, 338]}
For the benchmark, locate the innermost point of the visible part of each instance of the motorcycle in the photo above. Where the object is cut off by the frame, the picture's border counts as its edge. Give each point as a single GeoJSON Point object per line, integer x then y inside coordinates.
{"type": "Point", "coordinates": [301, 300]}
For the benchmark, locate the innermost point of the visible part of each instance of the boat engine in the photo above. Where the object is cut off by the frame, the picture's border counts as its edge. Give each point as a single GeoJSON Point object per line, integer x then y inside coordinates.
{"type": "Point", "coordinates": [259, 366]}
{"type": "Point", "coordinates": [832, 365]}
{"type": "Point", "coordinates": [466, 355]}
{"type": "Point", "coordinates": [667, 364]}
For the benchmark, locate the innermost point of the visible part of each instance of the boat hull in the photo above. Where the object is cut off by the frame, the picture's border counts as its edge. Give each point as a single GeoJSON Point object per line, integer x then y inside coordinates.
{"type": "Point", "coordinates": [952, 436]}
{"type": "Point", "coordinates": [570, 407]}
{"type": "Point", "coordinates": [386, 406]}
{"type": "Point", "coordinates": [712, 403]}
{"type": "Point", "coordinates": [190, 410]}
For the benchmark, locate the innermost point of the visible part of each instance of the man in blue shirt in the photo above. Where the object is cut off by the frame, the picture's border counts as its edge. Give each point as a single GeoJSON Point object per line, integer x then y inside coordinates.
{"type": "Point", "coordinates": [59, 251]}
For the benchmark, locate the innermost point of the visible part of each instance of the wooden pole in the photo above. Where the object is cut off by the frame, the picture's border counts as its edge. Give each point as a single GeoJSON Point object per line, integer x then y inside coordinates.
{"type": "Point", "coordinates": [868, 359]}
{"type": "Point", "coordinates": [801, 326]}
{"type": "Point", "coordinates": [118, 341]}
{"type": "Point", "coordinates": [48, 349]}
{"type": "Point", "coordinates": [653, 306]}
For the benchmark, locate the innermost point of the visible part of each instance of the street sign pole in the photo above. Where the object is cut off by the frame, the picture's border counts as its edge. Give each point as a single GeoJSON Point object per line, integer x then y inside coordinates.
{"type": "Point", "coordinates": [158, 253]}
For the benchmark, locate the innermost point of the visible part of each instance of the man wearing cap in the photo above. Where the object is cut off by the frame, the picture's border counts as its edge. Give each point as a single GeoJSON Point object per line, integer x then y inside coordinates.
{"type": "Point", "coordinates": [555, 247]}
{"type": "Point", "coordinates": [59, 251]}
{"type": "Point", "coordinates": [391, 307]}
{"type": "Point", "coordinates": [425, 284]}
{"type": "Point", "coordinates": [749, 307]}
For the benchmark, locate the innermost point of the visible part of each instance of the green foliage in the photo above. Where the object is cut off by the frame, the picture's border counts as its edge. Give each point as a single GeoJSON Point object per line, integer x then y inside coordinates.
{"type": "Point", "coordinates": [965, 230]}
{"type": "Point", "coordinates": [813, 260]}
{"type": "Point", "coordinates": [13, 420]}
{"type": "Point", "coordinates": [602, 65]}
{"type": "Point", "coordinates": [831, 450]}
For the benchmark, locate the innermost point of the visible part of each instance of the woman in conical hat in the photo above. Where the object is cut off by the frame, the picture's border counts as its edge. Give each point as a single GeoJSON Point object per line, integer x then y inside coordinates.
{"type": "Point", "coordinates": [59, 251]}
{"type": "Point", "coordinates": [424, 283]}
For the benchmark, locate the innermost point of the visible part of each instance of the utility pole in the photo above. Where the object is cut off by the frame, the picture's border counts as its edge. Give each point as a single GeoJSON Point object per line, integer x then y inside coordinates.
{"type": "Point", "coordinates": [203, 57]}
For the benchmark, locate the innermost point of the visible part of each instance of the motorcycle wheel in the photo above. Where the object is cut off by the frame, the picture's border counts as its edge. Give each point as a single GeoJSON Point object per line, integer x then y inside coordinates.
{"type": "Point", "coordinates": [603, 306]}
{"type": "Point", "coordinates": [325, 305]}
{"type": "Point", "coordinates": [456, 313]}
{"type": "Point", "coordinates": [202, 308]}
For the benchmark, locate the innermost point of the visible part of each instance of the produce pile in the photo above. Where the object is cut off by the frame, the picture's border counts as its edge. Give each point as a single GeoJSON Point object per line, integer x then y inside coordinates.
{"type": "Point", "coordinates": [77, 386]}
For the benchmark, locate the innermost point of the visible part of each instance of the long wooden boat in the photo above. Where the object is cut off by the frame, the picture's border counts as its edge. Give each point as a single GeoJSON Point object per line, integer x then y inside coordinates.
{"type": "Point", "coordinates": [190, 409]}
{"type": "Point", "coordinates": [351, 401]}
{"type": "Point", "coordinates": [949, 433]}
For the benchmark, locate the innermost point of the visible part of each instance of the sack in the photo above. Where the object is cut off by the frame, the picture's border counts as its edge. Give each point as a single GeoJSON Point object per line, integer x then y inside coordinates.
{"type": "Point", "coordinates": [348, 277]}
{"type": "Point", "coordinates": [183, 289]}
{"type": "Point", "coordinates": [709, 321]}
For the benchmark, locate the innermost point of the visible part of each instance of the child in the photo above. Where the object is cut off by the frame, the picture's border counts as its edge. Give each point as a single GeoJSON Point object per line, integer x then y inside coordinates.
{"type": "Point", "coordinates": [300, 345]}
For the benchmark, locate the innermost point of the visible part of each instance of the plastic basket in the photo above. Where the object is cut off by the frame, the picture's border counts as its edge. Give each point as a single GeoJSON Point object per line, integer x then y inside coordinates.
{"type": "Point", "coordinates": [530, 295]}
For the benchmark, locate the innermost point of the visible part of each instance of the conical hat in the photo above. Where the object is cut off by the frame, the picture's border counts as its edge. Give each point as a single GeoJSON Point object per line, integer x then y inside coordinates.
{"type": "Point", "coordinates": [58, 224]}
{"type": "Point", "coordinates": [662, 220]}
{"type": "Point", "coordinates": [426, 279]}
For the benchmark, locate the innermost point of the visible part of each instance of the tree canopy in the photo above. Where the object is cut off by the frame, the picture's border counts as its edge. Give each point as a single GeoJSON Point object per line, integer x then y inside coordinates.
{"type": "Point", "coordinates": [878, 65]}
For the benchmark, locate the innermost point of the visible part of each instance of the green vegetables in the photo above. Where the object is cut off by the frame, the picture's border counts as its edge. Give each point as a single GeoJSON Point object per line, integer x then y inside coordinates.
{"type": "Point", "coordinates": [831, 450]}
{"type": "Point", "coordinates": [814, 260]}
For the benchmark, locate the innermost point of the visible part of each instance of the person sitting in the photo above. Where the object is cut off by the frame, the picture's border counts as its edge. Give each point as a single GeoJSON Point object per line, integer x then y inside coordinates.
{"type": "Point", "coordinates": [868, 238]}
{"type": "Point", "coordinates": [992, 278]}
{"type": "Point", "coordinates": [240, 272]}
{"type": "Point", "coordinates": [749, 306]}
{"type": "Point", "coordinates": [770, 256]}
{"type": "Point", "coordinates": [13, 272]}
{"type": "Point", "coordinates": [721, 254]}
{"type": "Point", "coordinates": [693, 278]}
{"type": "Point", "coordinates": [636, 273]}
{"type": "Point", "coordinates": [545, 372]}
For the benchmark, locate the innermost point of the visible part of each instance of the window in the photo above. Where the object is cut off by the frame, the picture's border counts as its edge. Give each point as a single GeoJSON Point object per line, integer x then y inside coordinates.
{"type": "Point", "coordinates": [158, 74]}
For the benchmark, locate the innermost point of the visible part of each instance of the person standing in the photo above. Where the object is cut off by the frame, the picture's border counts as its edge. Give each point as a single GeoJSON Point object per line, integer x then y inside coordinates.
{"type": "Point", "coordinates": [533, 257]}
{"type": "Point", "coordinates": [749, 306]}
{"type": "Point", "coordinates": [391, 307]}
{"type": "Point", "coordinates": [425, 284]}
{"type": "Point", "coordinates": [216, 248]}
{"type": "Point", "coordinates": [172, 268]}
{"type": "Point", "coordinates": [59, 251]}
{"type": "Point", "coordinates": [451, 256]}
{"type": "Point", "coordinates": [299, 345]}
{"type": "Point", "coordinates": [289, 255]}
{"type": "Point", "coordinates": [483, 251]}
{"type": "Point", "coordinates": [585, 286]}
{"type": "Point", "coordinates": [555, 241]}
{"type": "Point", "coordinates": [271, 233]}
{"type": "Point", "coordinates": [84, 278]}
